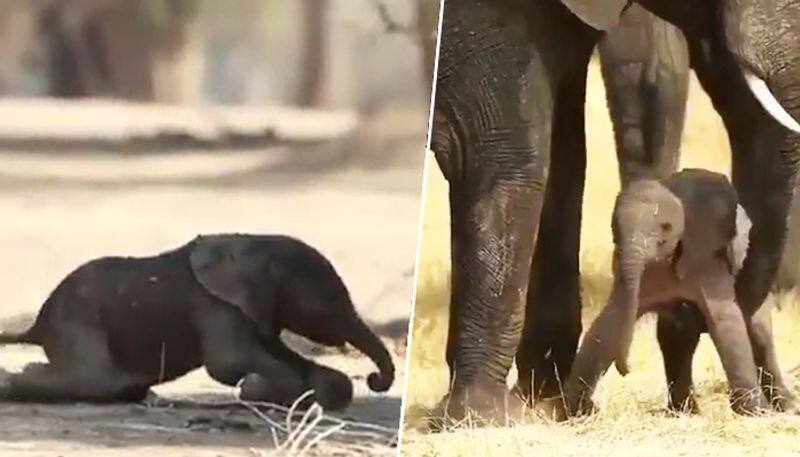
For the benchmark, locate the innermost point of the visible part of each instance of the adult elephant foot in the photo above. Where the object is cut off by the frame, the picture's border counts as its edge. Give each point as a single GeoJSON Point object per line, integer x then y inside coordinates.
{"type": "Point", "coordinates": [481, 405]}
{"type": "Point", "coordinates": [759, 328]}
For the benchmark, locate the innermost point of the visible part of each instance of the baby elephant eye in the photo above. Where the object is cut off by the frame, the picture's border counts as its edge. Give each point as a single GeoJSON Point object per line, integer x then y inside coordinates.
{"type": "Point", "coordinates": [666, 226]}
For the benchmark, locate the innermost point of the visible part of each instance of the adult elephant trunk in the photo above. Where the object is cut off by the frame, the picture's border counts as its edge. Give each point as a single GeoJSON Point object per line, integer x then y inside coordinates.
{"type": "Point", "coordinates": [629, 261]}
{"type": "Point", "coordinates": [363, 339]}
{"type": "Point", "coordinates": [762, 37]}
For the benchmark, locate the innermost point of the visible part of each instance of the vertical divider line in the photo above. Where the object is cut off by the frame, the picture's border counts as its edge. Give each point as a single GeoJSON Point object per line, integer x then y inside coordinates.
{"type": "Point", "coordinates": [423, 192]}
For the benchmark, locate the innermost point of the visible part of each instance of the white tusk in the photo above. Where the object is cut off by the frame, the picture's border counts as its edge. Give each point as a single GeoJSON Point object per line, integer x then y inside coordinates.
{"type": "Point", "coordinates": [759, 88]}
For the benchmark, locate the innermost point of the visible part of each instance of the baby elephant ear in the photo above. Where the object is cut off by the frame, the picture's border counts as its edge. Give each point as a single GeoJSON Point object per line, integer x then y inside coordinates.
{"type": "Point", "coordinates": [600, 14]}
{"type": "Point", "coordinates": [226, 268]}
{"type": "Point", "coordinates": [737, 250]}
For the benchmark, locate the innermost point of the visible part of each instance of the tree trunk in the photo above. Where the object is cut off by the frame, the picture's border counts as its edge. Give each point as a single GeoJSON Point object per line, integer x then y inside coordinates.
{"type": "Point", "coordinates": [128, 52]}
{"type": "Point", "coordinates": [313, 56]}
{"type": "Point", "coordinates": [427, 26]}
{"type": "Point", "coordinates": [178, 64]}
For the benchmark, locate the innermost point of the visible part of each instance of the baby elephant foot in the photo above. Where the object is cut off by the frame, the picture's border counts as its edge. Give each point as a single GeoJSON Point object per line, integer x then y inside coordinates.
{"type": "Point", "coordinates": [281, 391]}
{"type": "Point", "coordinates": [332, 389]}
{"type": "Point", "coordinates": [751, 402]}
{"type": "Point", "coordinates": [784, 403]}
{"type": "Point", "coordinates": [572, 405]}
{"type": "Point", "coordinates": [686, 406]}
{"type": "Point", "coordinates": [781, 399]}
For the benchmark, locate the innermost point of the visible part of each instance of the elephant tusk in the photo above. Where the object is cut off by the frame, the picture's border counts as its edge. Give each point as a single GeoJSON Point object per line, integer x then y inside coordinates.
{"type": "Point", "coordinates": [764, 96]}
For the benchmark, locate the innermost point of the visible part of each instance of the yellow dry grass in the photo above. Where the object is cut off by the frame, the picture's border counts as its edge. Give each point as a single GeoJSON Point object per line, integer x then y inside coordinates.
{"type": "Point", "coordinates": [631, 421]}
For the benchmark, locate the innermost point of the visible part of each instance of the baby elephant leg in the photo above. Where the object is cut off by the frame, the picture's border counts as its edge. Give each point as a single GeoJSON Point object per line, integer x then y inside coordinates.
{"type": "Point", "coordinates": [678, 333]}
{"type": "Point", "coordinates": [45, 383]}
{"type": "Point", "coordinates": [81, 370]}
{"type": "Point", "coordinates": [283, 388]}
{"type": "Point", "coordinates": [597, 351]}
{"type": "Point", "coordinates": [331, 388]}
{"type": "Point", "coordinates": [233, 352]}
{"type": "Point", "coordinates": [727, 328]}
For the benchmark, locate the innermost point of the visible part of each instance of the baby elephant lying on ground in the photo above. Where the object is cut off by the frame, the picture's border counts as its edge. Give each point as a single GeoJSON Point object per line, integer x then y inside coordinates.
{"type": "Point", "coordinates": [116, 326]}
{"type": "Point", "coordinates": [675, 245]}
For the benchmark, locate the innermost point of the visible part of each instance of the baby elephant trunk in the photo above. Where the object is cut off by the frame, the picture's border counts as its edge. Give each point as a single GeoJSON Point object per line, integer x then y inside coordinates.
{"type": "Point", "coordinates": [631, 260]}
{"type": "Point", "coordinates": [363, 339]}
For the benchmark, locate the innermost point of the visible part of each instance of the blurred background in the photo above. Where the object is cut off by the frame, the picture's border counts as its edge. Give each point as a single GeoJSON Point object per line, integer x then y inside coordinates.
{"type": "Point", "coordinates": [333, 53]}
{"type": "Point", "coordinates": [128, 127]}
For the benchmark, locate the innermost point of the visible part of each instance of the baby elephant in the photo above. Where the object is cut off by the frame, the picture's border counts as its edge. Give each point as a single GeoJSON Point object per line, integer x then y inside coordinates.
{"type": "Point", "coordinates": [675, 242]}
{"type": "Point", "coordinates": [116, 326]}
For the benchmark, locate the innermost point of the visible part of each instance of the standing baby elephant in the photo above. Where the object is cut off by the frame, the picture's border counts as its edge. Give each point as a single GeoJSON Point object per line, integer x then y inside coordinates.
{"type": "Point", "coordinates": [117, 326]}
{"type": "Point", "coordinates": [674, 241]}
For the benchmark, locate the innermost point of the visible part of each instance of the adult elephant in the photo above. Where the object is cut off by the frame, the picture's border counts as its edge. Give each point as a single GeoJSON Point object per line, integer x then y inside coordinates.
{"type": "Point", "coordinates": [508, 135]}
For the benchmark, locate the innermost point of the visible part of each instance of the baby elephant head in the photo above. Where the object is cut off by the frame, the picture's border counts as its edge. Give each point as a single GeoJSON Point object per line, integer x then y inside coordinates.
{"type": "Point", "coordinates": [648, 224]}
{"type": "Point", "coordinates": [281, 283]}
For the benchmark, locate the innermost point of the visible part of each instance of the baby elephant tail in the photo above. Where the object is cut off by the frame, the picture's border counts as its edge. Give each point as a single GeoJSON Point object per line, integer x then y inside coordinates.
{"type": "Point", "coordinates": [365, 340]}
{"type": "Point", "coordinates": [17, 330]}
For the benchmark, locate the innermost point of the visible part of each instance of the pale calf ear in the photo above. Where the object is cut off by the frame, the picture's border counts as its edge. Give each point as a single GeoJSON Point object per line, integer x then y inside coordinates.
{"type": "Point", "coordinates": [600, 14]}
{"type": "Point", "coordinates": [737, 250]}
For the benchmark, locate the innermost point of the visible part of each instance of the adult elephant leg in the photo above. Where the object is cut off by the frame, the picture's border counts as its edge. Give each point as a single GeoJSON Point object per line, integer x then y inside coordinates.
{"type": "Point", "coordinates": [645, 66]}
{"type": "Point", "coordinates": [764, 166]}
{"type": "Point", "coordinates": [678, 334]}
{"type": "Point", "coordinates": [788, 276]}
{"type": "Point", "coordinates": [759, 327]}
{"type": "Point", "coordinates": [499, 70]}
{"type": "Point", "coordinates": [764, 180]}
{"type": "Point", "coordinates": [493, 236]}
{"type": "Point", "coordinates": [553, 310]}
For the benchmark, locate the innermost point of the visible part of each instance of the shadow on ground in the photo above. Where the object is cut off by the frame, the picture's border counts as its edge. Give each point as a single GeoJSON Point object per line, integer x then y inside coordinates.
{"type": "Point", "coordinates": [193, 421]}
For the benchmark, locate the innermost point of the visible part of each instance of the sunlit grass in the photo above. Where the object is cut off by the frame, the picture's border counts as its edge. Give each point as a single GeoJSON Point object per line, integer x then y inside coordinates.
{"type": "Point", "coordinates": [631, 420]}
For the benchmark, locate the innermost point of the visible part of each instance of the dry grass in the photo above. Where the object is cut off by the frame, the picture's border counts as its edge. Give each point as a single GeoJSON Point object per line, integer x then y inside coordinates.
{"type": "Point", "coordinates": [631, 420]}
{"type": "Point", "coordinates": [298, 432]}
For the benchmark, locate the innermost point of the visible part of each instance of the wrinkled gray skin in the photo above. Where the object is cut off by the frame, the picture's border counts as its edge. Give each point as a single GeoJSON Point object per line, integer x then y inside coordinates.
{"type": "Point", "coordinates": [508, 130]}
{"type": "Point", "coordinates": [673, 243]}
{"type": "Point", "coordinates": [116, 326]}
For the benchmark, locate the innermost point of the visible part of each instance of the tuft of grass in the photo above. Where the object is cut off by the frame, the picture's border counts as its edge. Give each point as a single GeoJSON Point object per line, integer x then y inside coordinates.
{"type": "Point", "coordinates": [632, 420]}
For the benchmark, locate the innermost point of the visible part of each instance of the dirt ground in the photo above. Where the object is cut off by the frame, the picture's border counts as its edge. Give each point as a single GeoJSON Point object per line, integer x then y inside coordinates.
{"type": "Point", "coordinates": [631, 421]}
{"type": "Point", "coordinates": [58, 210]}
